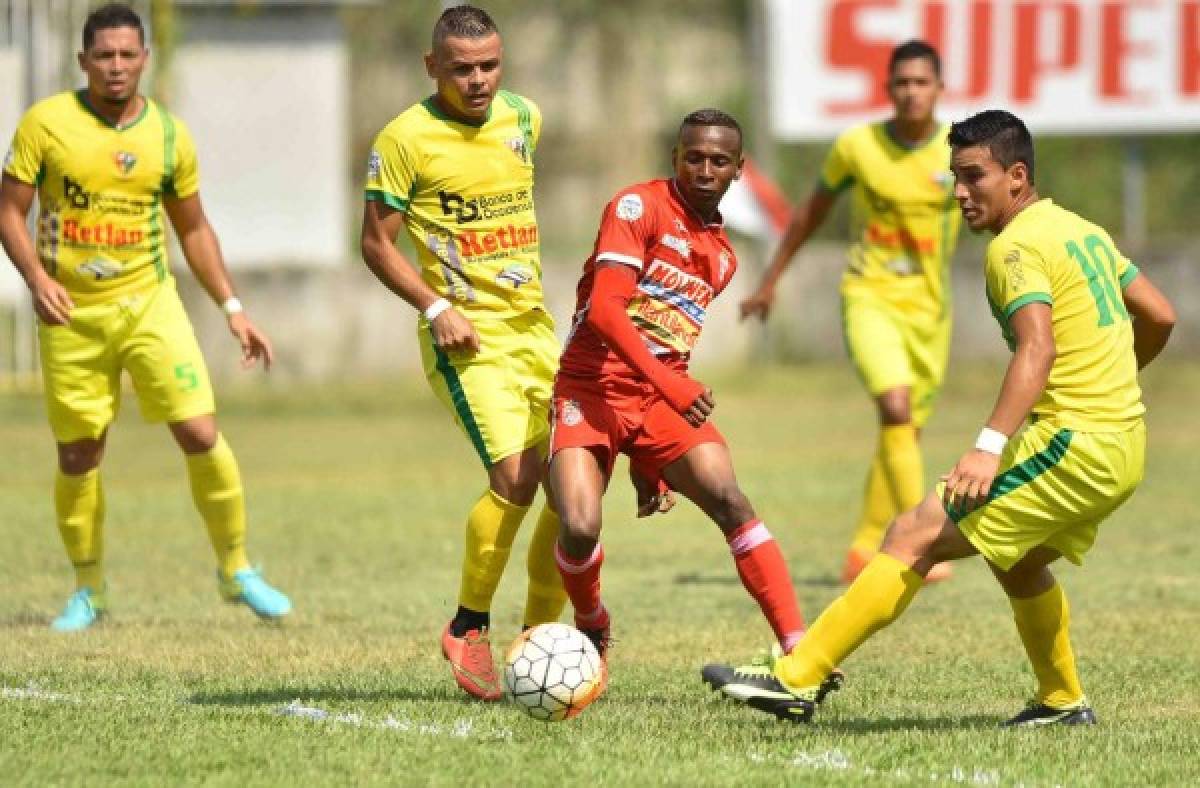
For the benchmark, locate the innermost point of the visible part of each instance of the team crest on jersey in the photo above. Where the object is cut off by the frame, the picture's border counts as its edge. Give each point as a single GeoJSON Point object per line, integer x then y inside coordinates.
{"type": "Point", "coordinates": [515, 275]}
{"type": "Point", "coordinates": [518, 146]}
{"type": "Point", "coordinates": [125, 161]}
{"type": "Point", "coordinates": [680, 226]}
{"type": "Point", "coordinates": [678, 244]}
{"type": "Point", "coordinates": [571, 414]}
{"type": "Point", "coordinates": [630, 208]}
{"type": "Point", "coordinates": [724, 262]}
{"type": "Point", "coordinates": [374, 165]}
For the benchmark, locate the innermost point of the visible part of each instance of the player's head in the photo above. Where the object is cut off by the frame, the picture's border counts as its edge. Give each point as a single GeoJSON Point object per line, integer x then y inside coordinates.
{"type": "Point", "coordinates": [707, 157]}
{"type": "Point", "coordinates": [114, 52]}
{"type": "Point", "coordinates": [914, 81]}
{"type": "Point", "coordinates": [992, 162]}
{"type": "Point", "coordinates": [465, 61]}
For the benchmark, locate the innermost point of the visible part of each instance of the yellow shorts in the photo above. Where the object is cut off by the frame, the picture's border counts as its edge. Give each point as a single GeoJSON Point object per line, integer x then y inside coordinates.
{"type": "Point", "coordinates": [149, 335]}
{"type": "Point", "coordinates": [1057, 488]}
{"type": "Point", "coordinates": [891, 348]}
{"type": "Point", "coordinates": [500, 396]}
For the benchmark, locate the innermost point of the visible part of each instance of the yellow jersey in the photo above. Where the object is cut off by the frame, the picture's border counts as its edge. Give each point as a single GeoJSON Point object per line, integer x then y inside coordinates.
{"type": "Point", "coordinates": [1048, 254]}
{"type": "Point", "coordinates": [100, 188]}
{"type": "Point", "coordinates": [904, 218]}
{"type": "Point", "coordinates": [467, 196]}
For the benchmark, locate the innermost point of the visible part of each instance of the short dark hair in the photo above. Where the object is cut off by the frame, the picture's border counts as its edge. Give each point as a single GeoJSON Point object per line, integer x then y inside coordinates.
{"type": "Point", "coordinates": [711, 117]}
{"type": "Point", "coordinates": [1001, 132]}
{"type": "Point", "coordinates": [106, 17]}
{"type": "Point", "coordinates": [914, 49]}
{"type": "Point", "coordinates": [463, 21]}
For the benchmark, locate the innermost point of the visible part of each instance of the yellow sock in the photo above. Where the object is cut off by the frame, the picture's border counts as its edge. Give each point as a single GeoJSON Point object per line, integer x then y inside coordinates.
{"type": "Point", "coordinates": [874, 600]}
{"type": "Point", "coordinates": [79, 506]}
{"type": "Point", "coordinates": [217, 492]}
{"type": "Point", "coordinates": [491, 527]}
{"type": "Point", "coordinates": [1042, 621]}
{"type": "Point", "coordinates": [546, 598]}
{"type": "Point", "coordinates": [877, 511]}
{"type": "Point", "coordinates": [900, 455]}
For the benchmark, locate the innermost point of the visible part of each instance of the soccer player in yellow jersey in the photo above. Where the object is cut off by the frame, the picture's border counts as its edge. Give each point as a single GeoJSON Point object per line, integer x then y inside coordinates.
{"type": "Point", "coordinates": [895, 291]}
{"type": "Point", "coordinates": [1080, 321]}
{"type": "Point", "coordinates": [456, 171]}
{"type": "Point", "coordinates": [105, 162]}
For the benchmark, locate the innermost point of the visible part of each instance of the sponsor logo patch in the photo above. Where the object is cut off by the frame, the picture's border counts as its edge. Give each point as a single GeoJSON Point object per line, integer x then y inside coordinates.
{"type": "Point", "coordinates": [515, 275]}
{"type": "Point", "coordinates": [8, 158]}
{"type": "Point", "coordinates": [678, 244]}
{"type": "Point", "coordinates": [630, 208]}
{"type": "Point", "coordinates": [101, 269]}
{"type": "Point", "coordinates": [571, 414]}
{"type": "Point", "coordinates": [374, 165]}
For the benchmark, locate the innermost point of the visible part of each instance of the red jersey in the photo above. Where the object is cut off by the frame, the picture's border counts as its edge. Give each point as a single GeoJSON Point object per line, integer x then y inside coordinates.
{"type": "Point", "coordinates": [682, 265]}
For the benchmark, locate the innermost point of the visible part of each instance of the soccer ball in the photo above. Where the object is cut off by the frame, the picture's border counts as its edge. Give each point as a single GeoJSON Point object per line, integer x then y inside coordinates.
{"type": "Point", "coordinates": [553, 672]}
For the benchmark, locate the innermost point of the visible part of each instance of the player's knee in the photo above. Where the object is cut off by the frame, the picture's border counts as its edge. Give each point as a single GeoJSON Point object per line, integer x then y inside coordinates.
{"type": "Point", "coordinates": [731, 507]}
{"type": "Point", "coordinates": [80, 457]}
{"type": "Point", "coordinates": [894, 407]}
{"type": "Point", "coordinates": [195, 436]}
{"type": "Point", "coordinates": [516, 479]}
{"type": "Point", "coordinates": [579, 533]}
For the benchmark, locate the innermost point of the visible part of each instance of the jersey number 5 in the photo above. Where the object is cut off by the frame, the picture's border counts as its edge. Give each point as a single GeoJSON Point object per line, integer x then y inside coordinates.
{"type": "Point", "coordinates": [1100, 277]}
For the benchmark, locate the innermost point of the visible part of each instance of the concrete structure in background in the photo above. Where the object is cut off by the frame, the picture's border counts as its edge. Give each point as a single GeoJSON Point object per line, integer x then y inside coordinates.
{"type": "Point", "coordinates": [264, 87]}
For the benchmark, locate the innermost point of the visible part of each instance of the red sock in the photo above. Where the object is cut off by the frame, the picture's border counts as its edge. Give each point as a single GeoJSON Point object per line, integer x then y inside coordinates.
{"type": "Point", "coordinates": [581, 579]}
{"type": "Point", "coordinates": [764, 573]}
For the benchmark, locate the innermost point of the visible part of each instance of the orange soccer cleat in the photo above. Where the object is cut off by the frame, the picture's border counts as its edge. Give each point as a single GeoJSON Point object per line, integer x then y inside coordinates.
{"type": "Point", "coordinates": [856, 561]}
{"type": "Point", "coordinates": [470, 658]}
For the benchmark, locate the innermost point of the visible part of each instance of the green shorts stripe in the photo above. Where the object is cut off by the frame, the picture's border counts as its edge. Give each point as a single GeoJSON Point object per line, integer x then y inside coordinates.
{"type": "Point", "coordinates": [1025, 472]}
{"type": "Point", "coordinates": [461, 405]}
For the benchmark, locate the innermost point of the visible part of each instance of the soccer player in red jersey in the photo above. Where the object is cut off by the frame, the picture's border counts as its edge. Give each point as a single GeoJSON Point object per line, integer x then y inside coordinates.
{"type": "Point", "coordinates": [660, 258]}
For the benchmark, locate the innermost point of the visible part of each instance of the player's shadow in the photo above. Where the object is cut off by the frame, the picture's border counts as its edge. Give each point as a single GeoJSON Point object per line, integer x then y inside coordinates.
{"type": "Point", "coordinates": [285, 695]}
{"type": "Point", "coordinates": [698, 579]}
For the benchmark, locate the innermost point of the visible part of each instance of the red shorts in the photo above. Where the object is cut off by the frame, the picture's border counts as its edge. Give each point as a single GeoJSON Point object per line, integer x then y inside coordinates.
{"type": "Point", "coordinates": [613, 417]}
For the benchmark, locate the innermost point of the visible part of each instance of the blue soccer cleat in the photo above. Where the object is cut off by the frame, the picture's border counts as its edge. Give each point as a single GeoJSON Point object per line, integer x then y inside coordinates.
{"type": "Point", "coordinates": [84, 608]}
{"type": "Point", "coordinates": [248, 587]}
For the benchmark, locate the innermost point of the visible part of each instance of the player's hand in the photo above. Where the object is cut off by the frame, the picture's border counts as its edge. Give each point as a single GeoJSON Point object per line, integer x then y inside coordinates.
{"type": "Point", "coordinates": [255, 345]}
{"type": "Point", "coordinates": [759, 304]}
{"type": "Point", "coordinates": [652, 497]}
{"type": "Point", "coordinates": [701, 409]}
{"type": "Point", "coordinates": [51, 301]}
{"type": "Point", "coordinates": [453, 333]}
{"type": "Point", "coordinates": [968, 484]}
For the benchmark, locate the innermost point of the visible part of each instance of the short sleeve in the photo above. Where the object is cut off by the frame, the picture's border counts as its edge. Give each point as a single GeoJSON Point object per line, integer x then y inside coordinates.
{"type": "Point", "coordinates": [535, 121]}
{"type": "Point", "coordinates": [391, 171]}
{"type": "Point", "coordinates": [627, 230]}
{"type": "Point", "coordinates": [838, 171]}
{"type": "Point", "coordinates": [24, 158]}
{"type": "Point", "coordinates": [1016, 276]}
{"type": "Point", "coordinates": [1125, 270]}
{"type": "Point", "coordinates": [185, 180]}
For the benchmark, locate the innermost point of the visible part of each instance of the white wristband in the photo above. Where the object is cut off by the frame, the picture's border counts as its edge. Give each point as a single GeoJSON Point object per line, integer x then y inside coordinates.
{"type": "Point", "coordinates": [992, 441]}
{"type": "Point", "coordinates": [436, 308]}
{"type": "Point", "coordinates": [231, 306]}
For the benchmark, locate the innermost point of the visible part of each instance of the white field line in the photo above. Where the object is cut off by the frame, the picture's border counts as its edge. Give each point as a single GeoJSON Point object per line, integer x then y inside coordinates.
{"type": "Point", "coordinates": [462, 728]}
{"type": "Point", "coordinates": [837, 761]}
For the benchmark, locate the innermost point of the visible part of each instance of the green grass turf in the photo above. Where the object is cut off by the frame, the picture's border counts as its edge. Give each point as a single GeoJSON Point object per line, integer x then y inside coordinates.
{"type": "Point", "coordinates": [356, 497]}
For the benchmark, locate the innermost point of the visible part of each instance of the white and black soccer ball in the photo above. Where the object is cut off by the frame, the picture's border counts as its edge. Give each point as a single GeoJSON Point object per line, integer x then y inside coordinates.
{"type": "Point", "coordinates": [553, 672]}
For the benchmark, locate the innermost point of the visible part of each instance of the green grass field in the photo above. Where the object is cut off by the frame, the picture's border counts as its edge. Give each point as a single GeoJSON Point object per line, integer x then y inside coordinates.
{"type": "Point", "coordinates": [357, 496]}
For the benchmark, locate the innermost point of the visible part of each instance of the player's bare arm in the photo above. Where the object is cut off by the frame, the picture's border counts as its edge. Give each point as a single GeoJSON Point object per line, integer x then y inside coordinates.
{"type": "Point", "coordinates": [452, 332]}
{"type": "Point", "coordinates": [203, 254]}
{"type": "Point", "coordinates": [807, 219]}
{"type": "Point", "coordinates": [1153, 318]}
{"type": "Point", "coordinates": [970, 481]}
{"type": "Point", "coordinates": [50, 299]}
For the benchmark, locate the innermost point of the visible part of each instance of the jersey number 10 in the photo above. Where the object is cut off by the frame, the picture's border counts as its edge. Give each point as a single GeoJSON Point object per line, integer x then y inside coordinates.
{"type": "Point", "coordinates": [1100, 277]}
